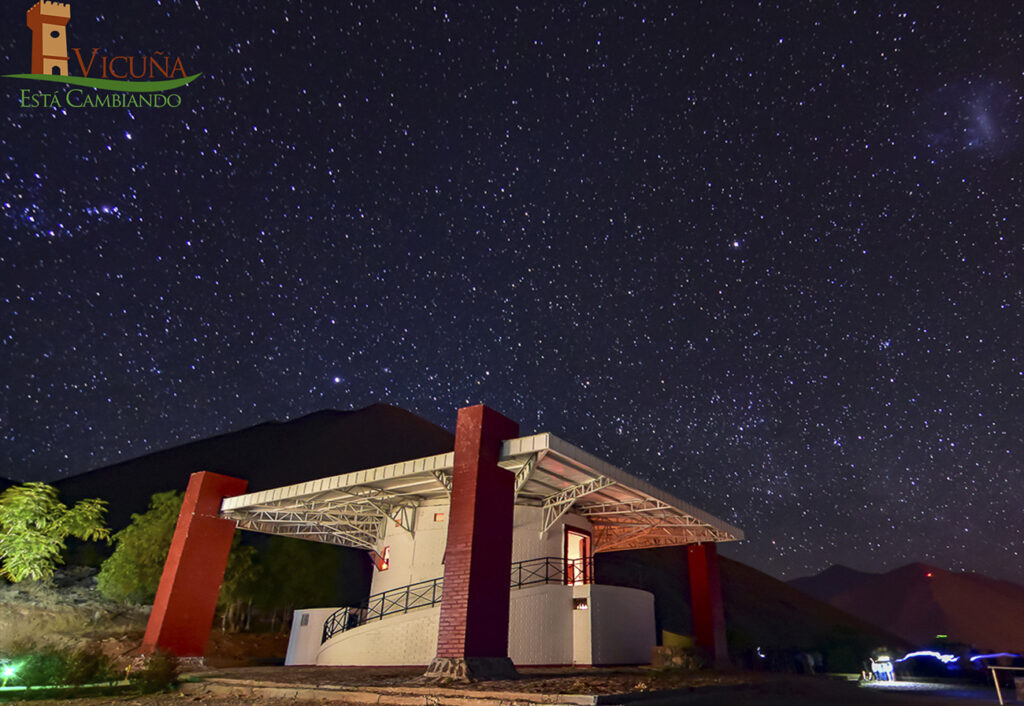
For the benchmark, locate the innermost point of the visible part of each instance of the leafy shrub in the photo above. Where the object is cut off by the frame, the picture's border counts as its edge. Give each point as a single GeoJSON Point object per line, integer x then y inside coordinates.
{"type": "Point", "coordinates": [52, 666]}
{"type": "Point", "coordinates": [159, 672]}
{"type": "Point", "coordinates": [132, 572]}
{"type": "Point", "coordinates": [44, 666]}
{"type": "Point", "coordinates": [91, 666]}
{"type": "Point", "coordinates": [34, 525]}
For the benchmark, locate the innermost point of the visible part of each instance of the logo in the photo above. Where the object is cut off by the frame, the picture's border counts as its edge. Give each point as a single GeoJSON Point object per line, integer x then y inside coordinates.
{"type": "Point", "coordinates": [119, 81]}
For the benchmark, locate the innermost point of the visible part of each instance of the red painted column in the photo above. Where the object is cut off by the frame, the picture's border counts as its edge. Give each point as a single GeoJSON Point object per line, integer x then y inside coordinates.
{"type": "Point", "coordinates": [706, 602]}
{"type": "Point", "coordinates": [472, 636]}
{"type": "Point", "coordinates": [187, 596]}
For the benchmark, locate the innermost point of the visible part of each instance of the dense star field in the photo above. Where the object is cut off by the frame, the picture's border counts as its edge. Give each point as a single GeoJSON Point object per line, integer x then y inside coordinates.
{"type": "Point", "coordinates": [768, 257]}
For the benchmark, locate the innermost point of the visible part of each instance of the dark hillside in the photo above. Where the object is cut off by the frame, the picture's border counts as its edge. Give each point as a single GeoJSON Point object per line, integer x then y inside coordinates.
{"type": "Point", "coordinates": [268, 455]}
{"type": "Point", "coordinates": [920, 602]}
{"type": "Point", "coordinates": [830, 582]}
{"type": "Point", "coordinates": [760, 611]}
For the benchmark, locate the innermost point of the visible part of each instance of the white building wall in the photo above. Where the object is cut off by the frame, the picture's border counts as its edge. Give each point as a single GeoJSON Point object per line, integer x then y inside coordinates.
{"type": "Point", "coordinates": [616, 628]}
{"type": "Point", "coordinates": [417, 557]}
{"type": "Point", "coordinates": [408, 639]}
{"type": "Point", "coordinates": [527, 542]}
{"type": "Point", "coordinates": [540, 625]}
{"type": "Point", "coordinates": [621, 625]}
{"type": "Point", "coordinates": [304, 638]}
{"type": "Point", "coordinates": [581, 642]}
{"type": "Point", "coordinates": [414, 557]}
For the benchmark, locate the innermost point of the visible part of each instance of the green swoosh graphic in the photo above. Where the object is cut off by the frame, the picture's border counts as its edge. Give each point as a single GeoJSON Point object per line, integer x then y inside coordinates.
{"type": "Point", "coordinates": [109, 85]}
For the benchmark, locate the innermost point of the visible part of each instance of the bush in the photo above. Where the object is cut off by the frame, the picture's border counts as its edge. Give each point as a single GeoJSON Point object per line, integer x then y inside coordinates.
{"type": "Point", "coordinates": [159, 672]}
{"type": "Point", "coordinates": [91, 666]}
{"type": "Point", "coordinates": [52, 666]}
{"type": "Point", "coordinates": [34, 525]}
{"type": "Point", "coordinates": [43, 667]}
{"type": "Point", "coordinates": [132, 573]}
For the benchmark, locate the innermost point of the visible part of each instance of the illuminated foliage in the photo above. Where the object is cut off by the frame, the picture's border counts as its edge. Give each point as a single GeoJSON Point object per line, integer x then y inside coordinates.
{"type": "Point", "coordinates": [132, 572]}
{"type": "Point", "coordinates": [33, 527]}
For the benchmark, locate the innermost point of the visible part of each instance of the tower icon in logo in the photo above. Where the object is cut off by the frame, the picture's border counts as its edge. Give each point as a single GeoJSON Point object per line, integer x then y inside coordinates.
{"type": "Point", "coordinates": [48, 22]}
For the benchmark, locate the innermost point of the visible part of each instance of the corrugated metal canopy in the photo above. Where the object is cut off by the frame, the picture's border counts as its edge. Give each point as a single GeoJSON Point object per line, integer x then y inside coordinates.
{"type": "Point", "coordinates": [353, 509]}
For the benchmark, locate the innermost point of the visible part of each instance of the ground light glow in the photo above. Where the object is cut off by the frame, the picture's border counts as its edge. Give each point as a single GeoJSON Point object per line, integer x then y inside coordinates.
{"type": "Point", "coordinates": [975, 658]}
{"type": "Point", "coordinates": [945, 659]}
{"type": "Point", "coordinates": [6, 672]}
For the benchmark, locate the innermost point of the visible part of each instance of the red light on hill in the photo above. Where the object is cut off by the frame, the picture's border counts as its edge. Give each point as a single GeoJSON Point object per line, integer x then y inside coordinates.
{"type": "Point", "coordinates": [929, 574]}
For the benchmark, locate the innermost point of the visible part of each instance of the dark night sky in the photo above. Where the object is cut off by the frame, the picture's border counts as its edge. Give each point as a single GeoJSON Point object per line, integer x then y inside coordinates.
{"type": "Point", "coordinates": [766, 255]}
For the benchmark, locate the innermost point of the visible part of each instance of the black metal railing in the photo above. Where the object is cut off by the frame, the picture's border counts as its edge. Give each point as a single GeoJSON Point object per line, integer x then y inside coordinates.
{"type": "Point", "coordinates": [379, 605]}
{"type": "Point", "coordinates": [551, 569]}
{"type": "Point", "coordinates": [424, 594]}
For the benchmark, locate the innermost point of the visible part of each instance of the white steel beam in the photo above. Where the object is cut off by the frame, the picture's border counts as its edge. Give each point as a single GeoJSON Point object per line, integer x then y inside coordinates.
{"type": "Point", "coordinates": [556, 505]}
{"type": "Point", "coordinates": [524, 473]}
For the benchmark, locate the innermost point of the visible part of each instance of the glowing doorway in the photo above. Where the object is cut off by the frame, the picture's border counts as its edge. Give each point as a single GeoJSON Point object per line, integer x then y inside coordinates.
{"type": "Point", "coordinates": [577, 557]}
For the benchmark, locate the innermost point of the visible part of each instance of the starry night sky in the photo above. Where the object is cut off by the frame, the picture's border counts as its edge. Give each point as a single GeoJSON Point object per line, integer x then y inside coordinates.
{"type": "Point", "coordinates": [768, 256]}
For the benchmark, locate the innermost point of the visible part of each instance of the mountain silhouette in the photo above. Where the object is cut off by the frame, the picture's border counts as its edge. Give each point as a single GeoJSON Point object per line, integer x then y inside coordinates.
{"type": "Point", "coordinates": [268, 455]}
{"type": "Point", "coordinates": [763, 615]}
{"type": "Point", "coordinates": [919, 602]}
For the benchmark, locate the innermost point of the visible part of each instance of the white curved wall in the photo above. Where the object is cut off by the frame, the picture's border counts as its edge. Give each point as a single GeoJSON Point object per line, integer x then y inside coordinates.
{"type": "Point", "coordinates": [540, 625]}
{"type": "Point", "coordinates": [409, 639]}
{"type": "Point", "coordinates": [616, 628]}
{"type": "Point", "coordinates": [621, 625]}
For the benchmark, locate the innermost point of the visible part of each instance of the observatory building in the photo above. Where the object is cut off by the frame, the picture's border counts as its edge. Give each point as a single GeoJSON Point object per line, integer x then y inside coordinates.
{"type": "Point", "coordinates": [483, 557]}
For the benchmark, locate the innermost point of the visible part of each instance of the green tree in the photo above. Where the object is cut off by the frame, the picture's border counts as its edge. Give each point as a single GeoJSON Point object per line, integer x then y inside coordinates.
{"type": "Point", "coordinates": [132, 572]}
{"type": "Point", "coordinates": [241, 582]}
{"type": "Point", "coordinates": [33, 527]}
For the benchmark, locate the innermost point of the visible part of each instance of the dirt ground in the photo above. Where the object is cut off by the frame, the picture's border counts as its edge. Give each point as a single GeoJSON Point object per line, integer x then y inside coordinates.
{"type": "Point", "coordinates": [698, 689]}
{"type": "Point", "coordinates": [73, 614]}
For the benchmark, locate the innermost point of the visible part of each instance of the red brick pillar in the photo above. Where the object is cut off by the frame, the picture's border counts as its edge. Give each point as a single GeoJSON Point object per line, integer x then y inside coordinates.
{"type": "Point", "coordinates": [472, 640]}
{"type": "Point", "coordinates": [187, 596]}
{"type": "Point", "coordinates": [706, 602]}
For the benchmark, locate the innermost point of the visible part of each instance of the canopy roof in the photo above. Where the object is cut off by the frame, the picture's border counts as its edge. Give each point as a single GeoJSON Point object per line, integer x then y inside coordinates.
{"type": "Point", "coordinates": [353, 509]}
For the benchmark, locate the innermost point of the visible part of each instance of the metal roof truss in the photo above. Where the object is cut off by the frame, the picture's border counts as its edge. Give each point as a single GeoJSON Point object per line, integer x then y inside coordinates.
{"type": "Point", "coordinates": [353, 509]}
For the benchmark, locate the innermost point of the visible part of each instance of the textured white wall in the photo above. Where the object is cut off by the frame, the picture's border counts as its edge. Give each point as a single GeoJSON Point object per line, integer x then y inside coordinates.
{"type": "Point", "coordinates": [304, 640]}
{"type": "Point", "coordinates": [407, 639]}
{"type": "Point", "coordinates": [540, 632]}
{"type": "Point", "coordinates": [621, 625]}
{"type": "Point", "coordinates": [540, 625]}
{"type": "Point", "coordinates": [618, 628]}
{"type": "Point", "coordinates": [415, 559]}
{"type": "Point", "coordinates": [581, 643]}
{"type": "Point", "coordinates": [526, 540]}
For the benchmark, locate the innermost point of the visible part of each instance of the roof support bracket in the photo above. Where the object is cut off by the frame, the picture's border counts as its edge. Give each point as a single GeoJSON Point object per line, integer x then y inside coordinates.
{"type": "Point", "coordinates": [524, 473]}
{"type": "Point", "coordinates": [556, 505]}
{"type": "Point", "coordinates": [444, 478]}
